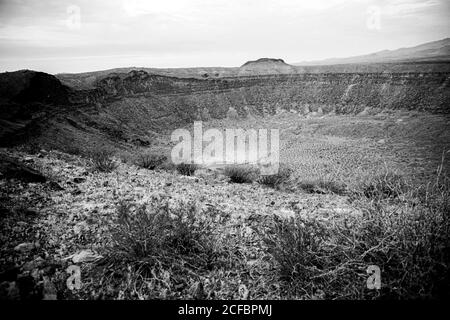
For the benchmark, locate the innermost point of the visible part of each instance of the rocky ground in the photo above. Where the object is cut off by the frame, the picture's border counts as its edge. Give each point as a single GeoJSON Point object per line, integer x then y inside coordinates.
{"type": "Point", "coordinates": [57, 212]}
{"type": "Point", "coordinates": [46, 225]}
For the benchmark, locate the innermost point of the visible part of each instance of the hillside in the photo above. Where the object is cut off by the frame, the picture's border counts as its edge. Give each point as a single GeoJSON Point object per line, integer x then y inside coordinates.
{"type": "Point", "coordinates": [135, 108]}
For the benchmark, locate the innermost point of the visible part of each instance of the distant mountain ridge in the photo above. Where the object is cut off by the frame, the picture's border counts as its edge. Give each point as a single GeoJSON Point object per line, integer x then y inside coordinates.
{"type": "Point", "coordinates": [425, 58]}
{"type": "Point", "coordinates": [435, 51]}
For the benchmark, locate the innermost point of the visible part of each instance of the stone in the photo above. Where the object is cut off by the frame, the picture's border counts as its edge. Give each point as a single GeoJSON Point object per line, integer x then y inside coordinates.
{"type": "Point", "coordinates": [365, 112]}
{"type": "Point", "coordinates": [81, 227]}
{"type": "Point", "coordinates": [285, 213]}
{"type": "Point", "coordinates": [85, 256]}
{"type": "Point", "coordinates": [24, 247]}
{"type": "Point", "coordinates": [305, 110]}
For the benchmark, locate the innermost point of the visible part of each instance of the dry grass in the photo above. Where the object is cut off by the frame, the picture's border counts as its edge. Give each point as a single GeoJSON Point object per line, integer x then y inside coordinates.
{"type": "Point", "coordinates": [150, 161]}
{"type": "Point", "coordinates": [276, 180]}
{"type": "Point", "coordinates": [155, 232]}
{"type": "Point", "coordinates": [323, 186]}
{"type": "Point", "coordinates": [169, 249]}
{"type": "Point", "coordinates": [385, 185]}
{"type": "Point", "coordinates": [241, 173]}
{"type": "Point", "coordinates": [408, 239]}
{"type": "Point", "coordinates": [102, 160]}
{"type": "Point", "coordinates": [187, 169]}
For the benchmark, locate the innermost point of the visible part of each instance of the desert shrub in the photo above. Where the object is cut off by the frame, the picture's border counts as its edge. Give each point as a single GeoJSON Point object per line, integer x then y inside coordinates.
{"type": "Point", "coordinates": [408, 241]}
{"type": "Point", "coordinates": [187, 169]}
{"type": "Point", "coordinates": [294, 243]}
{"type": "Point", "coordinates": [164, 249]}
{"type": "Point", "coordinates": [383, 186]}
{"type": "Point", "coordinates": [323, 186]}
{"type": "Point", "coordinates": [275, 180]}
{"type": "Point", "coordinates": [102, 160]}
{"type": "Point", "coordinates": [156, 231]}
{"type": "Point", "coordinates": [150, 161]}
{"type": "Point", "coordinates": [241, 173]}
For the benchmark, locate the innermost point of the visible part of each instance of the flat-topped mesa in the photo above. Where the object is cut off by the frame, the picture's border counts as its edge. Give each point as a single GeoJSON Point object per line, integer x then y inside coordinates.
{"type": "Point", "coordinates": [265, 60]}
{"type": "Point", "coordinates": [266, 66]}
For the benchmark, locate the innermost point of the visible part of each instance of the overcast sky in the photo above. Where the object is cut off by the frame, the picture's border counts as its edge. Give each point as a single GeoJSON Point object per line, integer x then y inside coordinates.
{"type": "Point", "coordinates": [84, 35]}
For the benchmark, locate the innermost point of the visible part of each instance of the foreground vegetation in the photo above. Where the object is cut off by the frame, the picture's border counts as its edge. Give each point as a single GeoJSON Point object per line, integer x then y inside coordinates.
{"type": "Point", "coordinates": [162, 246]}
{"type": "Point", "coordinates": [172, 249]}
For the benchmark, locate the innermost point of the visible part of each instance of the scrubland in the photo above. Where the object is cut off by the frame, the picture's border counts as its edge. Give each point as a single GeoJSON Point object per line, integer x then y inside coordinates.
{"type": "Point", "coordinates": [355, 191]}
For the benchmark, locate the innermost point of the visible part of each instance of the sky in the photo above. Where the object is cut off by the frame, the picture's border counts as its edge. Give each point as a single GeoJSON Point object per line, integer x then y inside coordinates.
{"type": "Point", "coordinates": [58, 36]}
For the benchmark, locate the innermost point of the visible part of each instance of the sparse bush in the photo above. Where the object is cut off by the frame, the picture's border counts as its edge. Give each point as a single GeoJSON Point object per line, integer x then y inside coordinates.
{"type": "Point", "coordinates": [275, 180]}
{"type": "Point", "coordinates": [383, 186]}
{"type": "Point", "coordinates": [164, 249]}
{"type": "Point", "coordinates": [323, 186]}
{"type": "Point", "coordinates": [241, 173]}
{"type": "Point", "coordinates": [102, 160]}
{"type": "Point", "coordinates": [150, 161]}
{"type": "Point", "coordinates": [408, 241]}
{"type": "Point", "coordinates": [295, 244]}
{"type": "Point", "coordinates": [157, 232]}
{"type": "Point", "coordinates": [187, 169]}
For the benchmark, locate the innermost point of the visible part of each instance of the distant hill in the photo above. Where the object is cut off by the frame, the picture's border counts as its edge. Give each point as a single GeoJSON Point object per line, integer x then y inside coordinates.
{"type": "Point", "coordinates": [436, 51]}
{"type": "Point", "coordinates": [263, 66]}
{"type": "Point", "coordinates": [425, 58]}
{"type": "Point", "coordinates": [266, 66]}
{"type": "Point", "coordinates": [25, 86]}
{"type": "Point", "coordinates": [87, 80]}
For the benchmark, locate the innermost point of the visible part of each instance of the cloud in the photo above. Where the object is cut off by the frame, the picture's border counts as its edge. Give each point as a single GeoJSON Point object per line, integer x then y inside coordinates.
{"type": "Point", "coordinates": [202, 32]}
{"type": "Point", "coordinates": [408, 7]}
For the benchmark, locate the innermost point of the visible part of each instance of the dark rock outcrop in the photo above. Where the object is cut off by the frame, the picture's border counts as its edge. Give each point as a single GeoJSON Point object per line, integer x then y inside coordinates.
{"type": "Point", "coordinates": [13, 169]}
